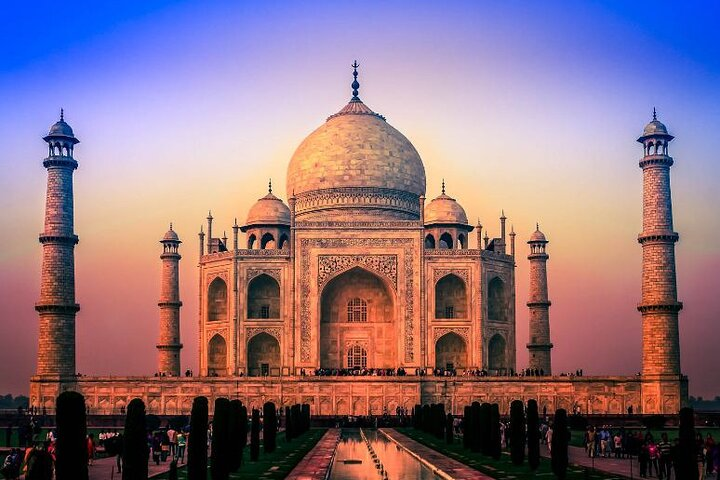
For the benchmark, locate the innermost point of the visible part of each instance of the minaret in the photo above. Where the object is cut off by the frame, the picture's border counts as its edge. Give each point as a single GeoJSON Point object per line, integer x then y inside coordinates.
{"type": "Point", "coordinates": [57, 308]}
{"type": "Point", "coordinates": [539, 345]}
{"type": "Point", "coordinates": [659, 305]}
{"type": "Point", "coordinates": [169, 344]}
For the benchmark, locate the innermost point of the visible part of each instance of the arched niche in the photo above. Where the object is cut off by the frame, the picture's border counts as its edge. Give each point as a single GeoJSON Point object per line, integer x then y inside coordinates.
{"type": "Point", "coordinates": [497, 300]}
{"type": "Point", "coordinates": [450, 297]}
{"type": "Point", "coordinates": [451, 351]}
{"type": "Point", "coordinates": [446, 241]}
{"type": "Point", "coordinates": [497, 355]}
{"type": "Point", "coordinates": [429, 241]}
{"type": "Point", "coordinates": [267, 242]}
{"type": "Point", "coordinates": [217, 300]}
{"type": "Point", "coordinates": [263, 297]}
{"type": "Point", "coordinates": [217, 356]}
{"type": "Point", "coordinates": [263, 355]}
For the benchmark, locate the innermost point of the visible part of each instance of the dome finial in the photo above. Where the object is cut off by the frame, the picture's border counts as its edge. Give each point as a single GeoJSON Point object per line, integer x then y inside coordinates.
{"type": "Point", "coordinates": [355, 85]}
{"type": "Point", "coordinates": [537, 226]}
{"type": "Point", "coordinates": [270, 186]}
{"type": "Point", "coordinates": [62, 114]}
{"type": "Point", "coordinates": [443, 186]}
{"type": "Point", "coordinates": [654, 114]}
{"type": "Point", "coordinates": [170, 225]}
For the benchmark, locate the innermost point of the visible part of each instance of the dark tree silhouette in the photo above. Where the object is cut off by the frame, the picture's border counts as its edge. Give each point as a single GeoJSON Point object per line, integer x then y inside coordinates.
{"type": "Point", "coordinates": [495, 439]}
{"type": "Point", "coordinates": [289, 427]}
{"type": "Point", "coordinates": [255, 436]}
{"type": "Point", "coordinates": [449, 435]}
{"type": "Point", "coordinates": [533, 435]}
{"type": "Point", "coordinates": [135, 447]}
{"type": "Point", "coordinates": [235, 429]}
{"type": "Point", "coordinates": [517, 432]}
{"type": "Point", "coordinates": [560, 439]}
{"type": "Point", "coordinates": [220, 449]}
{"type": "Point", "coordinates": [467, 431]}
{"type": "Point", "coordinates": [269, 427]}
{"type": "Point", "coordinates": [687, 451]}
{"type": "Point", "coordinates": [485, 436]}
{"type": "Point", "coordinates": [71, 448]}
{"type": "Point", "coordinates": [197, 441]}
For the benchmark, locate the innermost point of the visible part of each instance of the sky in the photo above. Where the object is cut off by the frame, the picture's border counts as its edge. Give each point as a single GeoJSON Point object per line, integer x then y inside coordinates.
{"type": "Point", "coordinates": [530, 107]}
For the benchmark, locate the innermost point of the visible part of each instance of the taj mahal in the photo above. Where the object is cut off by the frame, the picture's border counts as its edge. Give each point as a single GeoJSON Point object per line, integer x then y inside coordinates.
{"type": "Point", "coordinates": [358, 295]}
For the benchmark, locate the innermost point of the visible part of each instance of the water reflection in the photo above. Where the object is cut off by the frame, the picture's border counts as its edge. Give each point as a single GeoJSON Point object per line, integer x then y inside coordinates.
{"type": "Point", "coordinates": [354, 461]}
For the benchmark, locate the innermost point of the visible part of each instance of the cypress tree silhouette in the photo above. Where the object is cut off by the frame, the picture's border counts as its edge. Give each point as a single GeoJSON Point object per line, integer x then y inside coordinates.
{"type": "Point", "coordinates": [687, 463]}
{"type": "Point", "coordinates": [220, 450]}
{"type": "Point", "coordinates": [496, 447]}
{"type": "Point", "coordinates": [235, 427]}
{"type": "Point", "coordinates": [255, 436]}
{"type": "Point", "coordinates": [485, 436]}
{"type": "Point", "coordinates": [197, 441]}
{"type": "Point", "coordinates": [288, 424]}
{"type": "Point", "coordinates": [533, 435]}
{"type": "Point", "coordinates": [305, 411]}
{"type": "Point", "coordinates": [467, 431]}
{"type": "Point", "coordinates": [269, 427]}
{"type": "Point", "coordinates": [560, 439]}
{"type": "Point", "coordinates": [135, 447]}
{"type": "Point", "coordinates": [449, 434]}
{"type": "Point", "coordinates": [517, 432]}
{"type": "Point", "coordinates": [71, 448]}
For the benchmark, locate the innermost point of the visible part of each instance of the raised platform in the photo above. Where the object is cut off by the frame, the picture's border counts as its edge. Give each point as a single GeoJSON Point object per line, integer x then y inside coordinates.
{"type": "Point", "coordinates": [363, 395]}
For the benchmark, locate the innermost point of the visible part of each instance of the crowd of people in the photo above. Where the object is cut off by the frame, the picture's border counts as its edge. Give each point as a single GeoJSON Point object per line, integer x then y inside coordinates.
{"type": "Point", "coordinates": [359, 372]}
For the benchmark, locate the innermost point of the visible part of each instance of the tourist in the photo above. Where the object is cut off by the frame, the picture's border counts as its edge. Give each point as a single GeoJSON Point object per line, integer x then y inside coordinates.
{"type": "Point", "coordinates": [11, 466]}
{"type": "Point", "coordinates": [548, 438]}
{"type": "Point", "coordinates": [591, 438]}
{"type": "Point", "coordinates": [180, 452]}
{"type": "Point", "coordinates": [700, 450]}
{"type": "Point", "coordinates": [90, 449]}
{"type": "Point", "coordinates": [709, 449]}
{"type": "Point", "coordinates": [172, 440]}
{"type": "Point", "coordinates": [39, 464]}
{"type": "Point", "coordinates": [643, 459]}
{"type": "Point", "coordinates": [653, 455]}
{"type": "Point", "coordinates": [665, 454]}
{"type": "Point", "coordinates": [617, 444]}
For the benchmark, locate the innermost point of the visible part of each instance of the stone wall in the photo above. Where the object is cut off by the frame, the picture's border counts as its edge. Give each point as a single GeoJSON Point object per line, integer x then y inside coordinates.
{"type": "Point", "coordinates": [363, 395]}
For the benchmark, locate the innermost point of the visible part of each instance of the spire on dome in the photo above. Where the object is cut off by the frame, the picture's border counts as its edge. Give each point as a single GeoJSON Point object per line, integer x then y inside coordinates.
{"type": "Point", "coordinates": [654, 114]}
{"type": "Point", "coordinates": [270, 186]}
{"type": "Point", "coordinates": [443, 186]}
{"type": "Point", "coordinates": [62, 115]}
{"type": "Point", "coordinates": [355, 85]}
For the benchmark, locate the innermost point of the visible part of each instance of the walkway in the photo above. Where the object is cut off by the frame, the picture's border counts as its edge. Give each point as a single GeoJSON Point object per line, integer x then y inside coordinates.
{"type": "Point", "coordinates": [442, 466]}
{"type": "Point", "coordinates": [316, 464]}
{"type": "Point", "coordinates": [105, 469]}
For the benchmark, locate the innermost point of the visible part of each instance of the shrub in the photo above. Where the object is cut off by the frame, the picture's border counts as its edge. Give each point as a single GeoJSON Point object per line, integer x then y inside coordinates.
{"type": "Point", "coordinates": [135, 448]}
{"type": "Point", "coordinates": [560, 439]}
{"type": "Point", "coordinates": [220, 451]}
{"type": "Point", "coordinates": [71, 449]}
{"type": "Point", "coordinates": [517, 432]}
{"type": "Point", "coordinates": [197, 441]}
{"type": "Point", "coordinates": [533, 435]}
{"type": "Point", "coordinates": [255, 435]}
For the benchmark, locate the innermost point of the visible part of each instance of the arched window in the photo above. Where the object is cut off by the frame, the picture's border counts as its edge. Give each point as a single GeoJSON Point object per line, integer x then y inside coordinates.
{"type": "Point", "coordinates": [357, 310]}
{"type": "Point", "coordinates": [461, 242]}
{"type": "Point", "coordinates": [263, 298]}
{"type": "Point", "coordinates": [251, 241]}
{"type": "Point", "coordinates": [217, 356]}
{"type": "Point", "coordinates": [357, 357]}
{"type": "Point", "coordinates": [450, 297]}
{"type": "Point", "coordinates": [429, 241]}
{"type": "Point", "coordinates": [496, 300]}
{"type": "Point", "coordinates": [283, 242]}
{"type": "Point", "coordinates": [446, 241]}
{"type": "Point", "coordinates": [217, 301]}
{"type": "Point", "coordinates": [267, 242]}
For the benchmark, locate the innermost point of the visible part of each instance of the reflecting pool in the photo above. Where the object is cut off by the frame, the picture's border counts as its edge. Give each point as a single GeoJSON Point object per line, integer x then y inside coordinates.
{"type": "Point", "coordinates": [354, 460]}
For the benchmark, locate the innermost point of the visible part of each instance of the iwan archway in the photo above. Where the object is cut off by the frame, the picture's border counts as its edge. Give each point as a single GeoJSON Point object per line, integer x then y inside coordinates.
{"type": "Point", "coordinates": [358, 309]}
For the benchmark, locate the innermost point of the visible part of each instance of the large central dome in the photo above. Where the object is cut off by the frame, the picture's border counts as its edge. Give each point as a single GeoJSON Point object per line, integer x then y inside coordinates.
{"type": "Point", "coordinates": [356, 164]}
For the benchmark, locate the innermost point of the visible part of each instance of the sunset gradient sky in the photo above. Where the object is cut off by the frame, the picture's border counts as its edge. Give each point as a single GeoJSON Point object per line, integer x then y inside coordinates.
{"type": "Point", "coordinates": [530, 107]}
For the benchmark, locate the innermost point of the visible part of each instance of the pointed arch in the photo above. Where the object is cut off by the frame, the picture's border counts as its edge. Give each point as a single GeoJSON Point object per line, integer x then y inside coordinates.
{"type": "Point", "coordinates": [252, 240]}
{"type": "Point", "coordinates": [446, 241]}
{"type": "Point", "coordinates": [263, 297]}
{"type": "Point", "coordinates": [263, 355]}
{"type": "Point", "coordinates": [284, 243]}
{"type": "Point", "coordinates": [217, 300]}
{"type": "Point", "coordinates": [217, 356]}
{"type": "Point", "coordinates": [497, 358]}
{"type": "Point", "coordinates": [450, 297]}
{"type": "Point", "coordinates": [450, 352]}
{"type": "Point", "coordinates": [429, 241]}
{"type": "Point", "coordinates": [267, 242]}
{"type": "Point", "coordinates": [461, 242]}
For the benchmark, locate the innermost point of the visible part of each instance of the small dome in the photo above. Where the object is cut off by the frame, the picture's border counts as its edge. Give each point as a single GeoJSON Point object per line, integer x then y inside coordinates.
{"type": "Point", "coordinates": [538, 236]}
{"type": "Point", "coordinates": [445, 210]}
{"type": "Point", "coordinates": [171, 236]}
{"type": "Point", "coordinates": [656, 127]}
{"type": "Point", "coordinates": [61, 128]}
{"type": "Point", "coordinates": [269, 210]}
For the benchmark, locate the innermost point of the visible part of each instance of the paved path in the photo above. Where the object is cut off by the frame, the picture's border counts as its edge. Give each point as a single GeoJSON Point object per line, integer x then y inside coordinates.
{"type": "Point", "coordinates": [105, 469]}
{"type": "Point", "coordinates": [315, 465]}
{"type": "Point", "coordinates": [443, 466]}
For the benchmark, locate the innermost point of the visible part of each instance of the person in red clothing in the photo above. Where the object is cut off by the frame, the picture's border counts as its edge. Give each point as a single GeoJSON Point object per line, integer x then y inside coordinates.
{"type": "Point", "coordinates": [90, 449]}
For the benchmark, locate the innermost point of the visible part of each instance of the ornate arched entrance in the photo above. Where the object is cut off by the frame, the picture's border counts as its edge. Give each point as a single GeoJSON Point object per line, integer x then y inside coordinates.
{"type": "Point", "coordinates": [217, 356]}
{"type": "Point", "coordinates": [357, 307]}
{"type": "Point", "coordinates": [496, 353]}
